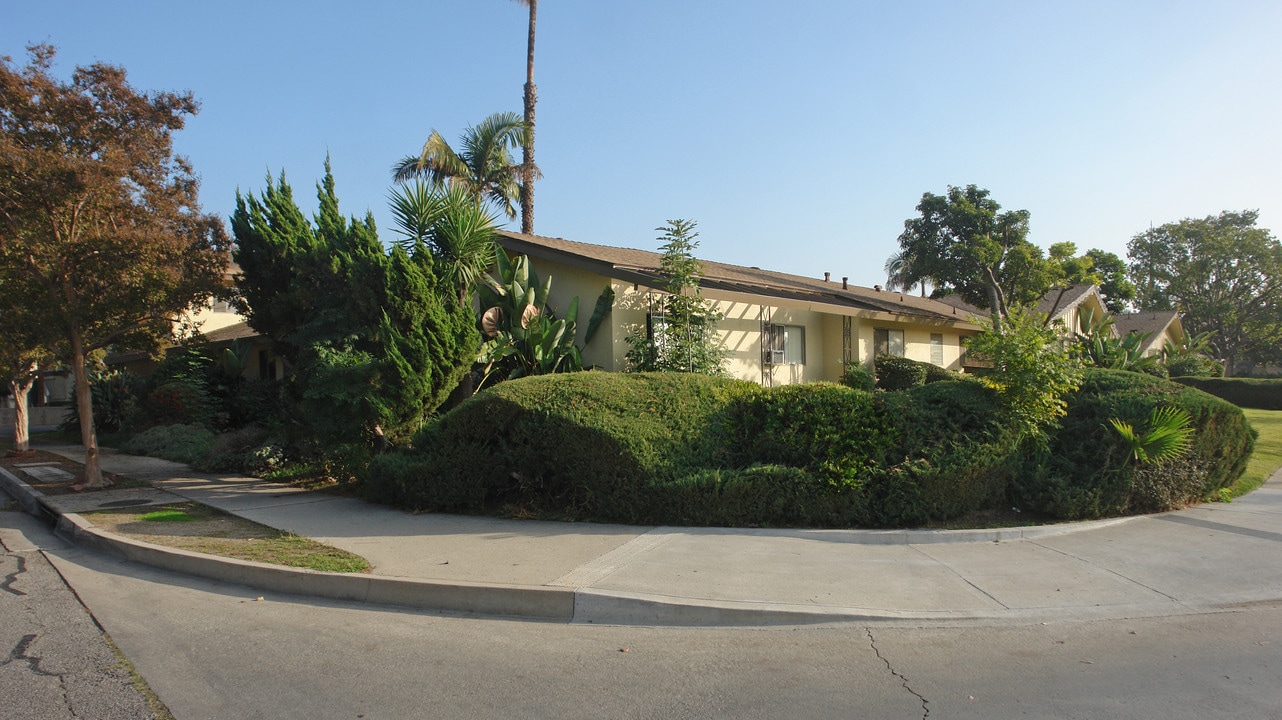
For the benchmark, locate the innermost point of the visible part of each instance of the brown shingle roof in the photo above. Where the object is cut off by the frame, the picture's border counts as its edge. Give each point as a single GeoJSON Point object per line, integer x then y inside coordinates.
{"type": "Point", "coordinates": [1144, 322]}
{"type": "Point", "coordinates": [1058, 301]}
{"type": "Point", "coordinates": [642, 266]}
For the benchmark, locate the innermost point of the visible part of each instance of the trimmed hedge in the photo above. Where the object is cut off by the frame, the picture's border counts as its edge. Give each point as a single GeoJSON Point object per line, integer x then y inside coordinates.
{"type": "Point", "coordinates": [1084, 470]}
{"type": "Point", "coordinates": [898, 373]}
{"type": "Point", "coordinates": [1255, 393]}
{"type": "Point", "coordinates": [1194, 366]}
{"type": "Point", "coordinates": [657, 448]}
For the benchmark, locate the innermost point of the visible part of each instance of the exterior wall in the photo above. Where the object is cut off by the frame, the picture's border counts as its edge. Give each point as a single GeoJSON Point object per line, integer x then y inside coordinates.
{"type": "Point", "coordinates": [568, 283]}
{"type": "Point", "coordinates": [916, 341]}
{"type": "Point", "coordinates": [740, 328]}
{"type": "Point", "coordinates": [215, 316]}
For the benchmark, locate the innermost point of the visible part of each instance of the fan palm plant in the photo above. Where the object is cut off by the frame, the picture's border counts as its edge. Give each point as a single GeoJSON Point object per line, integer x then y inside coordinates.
{"type": "Point", "coordinates": [1169, 435]}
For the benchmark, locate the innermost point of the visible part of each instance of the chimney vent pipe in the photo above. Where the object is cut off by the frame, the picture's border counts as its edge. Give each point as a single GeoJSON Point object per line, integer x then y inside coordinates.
{"type": "Point", "coordinates": [844, 286]}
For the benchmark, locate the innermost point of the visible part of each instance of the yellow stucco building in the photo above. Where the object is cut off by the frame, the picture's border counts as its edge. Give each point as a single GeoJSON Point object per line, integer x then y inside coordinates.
{"type": "Point", "coordinates": [776, 328]}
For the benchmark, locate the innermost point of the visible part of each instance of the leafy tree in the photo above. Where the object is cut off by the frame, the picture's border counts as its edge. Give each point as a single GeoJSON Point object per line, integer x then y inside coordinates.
{"type": "Point", "coordinates": [1118, 291]}
{"type": "Point", "coordinates": [99, 216]}
{"type": "Point", "coordinates": [1224, 274]}
{"type": "Point", "coordinates": [483, 166]}
{"type": "Point", "coordinates": [1032, 371]}
{"type": "Point", "coordinates": [966, 245]}
{"type": "Point", "coordinates": [1096, 267]}
{"type": "Point", "coordinates": [531, 95]}
{"type": "Point", "coordinates": [377, 340]}
{"type": "Point", "coordinates": [682, 336]}
{"type": "Point", "coordinates": [28, 343]}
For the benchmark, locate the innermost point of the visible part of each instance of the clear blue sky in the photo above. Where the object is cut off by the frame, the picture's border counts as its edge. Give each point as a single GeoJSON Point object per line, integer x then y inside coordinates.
{"type": "Point", "coordinates": [800, 135]}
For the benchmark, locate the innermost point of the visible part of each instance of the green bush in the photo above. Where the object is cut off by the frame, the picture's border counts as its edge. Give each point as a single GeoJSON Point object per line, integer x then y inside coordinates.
{"type": "Point", "coordinates": [232, 451]}
{"type": "Point", "coordinates": [688, 449]}
{"type": "Point", "coordinates": [857, 375]}
{"type": "Point", "coordinates": [837, 432]}
{"type": "Point", "coordinates": [954, 456]}
{"type": "Point", "coordinates": [1194, 366]}
{"type": "Point", "coordinates": [117, 398]}
{"type": "Point", "coordinates": [898, 373]}
{"type": "Point", "coordinates": [935, 374]}
{"type": "Point", "coordinates": [179, 402]}
{"type": "Point", "coordinates": [180, 443]}
{"type": "Point", "coordinates": [1084, 471]}
{"type": "Point", "coordinates": [583, 442]}
{"type": "Point", "coordinates": [1255, 393]}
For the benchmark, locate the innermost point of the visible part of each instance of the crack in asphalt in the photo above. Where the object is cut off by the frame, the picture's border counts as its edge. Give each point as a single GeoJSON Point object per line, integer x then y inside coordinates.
{"type": "Point", "coordinates": [19, 652]}
{"type": "Point", "coordinates": [925, 704]}
{"type": "Point", "coordinates": [7, 585]}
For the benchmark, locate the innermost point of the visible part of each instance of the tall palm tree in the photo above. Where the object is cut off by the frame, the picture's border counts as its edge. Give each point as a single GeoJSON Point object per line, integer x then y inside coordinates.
{"type": "Point", "coordinates": [457, 230]}
{"type": "Point", "coordinates": [528, 169]}
{"type": "Point", "coordinates": [483, 166]}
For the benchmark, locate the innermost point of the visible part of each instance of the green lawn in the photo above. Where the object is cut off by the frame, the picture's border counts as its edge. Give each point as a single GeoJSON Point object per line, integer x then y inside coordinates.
{"type": "Point", "coordinates": [1267, 457]}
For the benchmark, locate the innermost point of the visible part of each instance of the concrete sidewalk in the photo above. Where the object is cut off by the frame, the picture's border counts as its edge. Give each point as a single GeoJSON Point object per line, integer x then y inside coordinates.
{"type": "Point", "coordinates": [1203, 559]}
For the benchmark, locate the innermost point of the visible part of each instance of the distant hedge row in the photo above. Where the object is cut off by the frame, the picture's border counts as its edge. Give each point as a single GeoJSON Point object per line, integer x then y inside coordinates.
{"type": "Point", "coordinates": [692, 450]}
{"type": "Point", "coordinates": [1256, 393]}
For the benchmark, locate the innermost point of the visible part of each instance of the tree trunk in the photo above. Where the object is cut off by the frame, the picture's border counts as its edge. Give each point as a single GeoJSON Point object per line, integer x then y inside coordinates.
{"type": "Point", "coordinates": [527, 151]}
{"type": "Point", "coordinates": [20, 387]}
{"type": "Point", "coordinates": [84, 404]}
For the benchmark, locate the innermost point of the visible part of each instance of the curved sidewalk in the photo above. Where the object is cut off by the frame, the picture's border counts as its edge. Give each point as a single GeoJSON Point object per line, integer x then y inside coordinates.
{"type": "Point", "coordinates": [1204, 559]}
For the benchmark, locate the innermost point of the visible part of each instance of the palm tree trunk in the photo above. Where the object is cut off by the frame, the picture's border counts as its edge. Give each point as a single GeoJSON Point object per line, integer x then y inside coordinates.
{"type": "Point", "coordinates": [527, 151]}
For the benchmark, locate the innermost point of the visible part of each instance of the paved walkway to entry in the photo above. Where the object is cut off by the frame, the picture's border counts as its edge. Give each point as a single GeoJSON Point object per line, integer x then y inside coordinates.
{"type": "Point", "coordinates": [1206, 558]}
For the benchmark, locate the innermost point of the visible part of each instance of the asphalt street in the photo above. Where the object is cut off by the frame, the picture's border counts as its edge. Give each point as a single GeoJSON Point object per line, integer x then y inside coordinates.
{"type": "Point", "coordinates": [56, 662]}
{"type": "Point", "coordinates": [213, 650]}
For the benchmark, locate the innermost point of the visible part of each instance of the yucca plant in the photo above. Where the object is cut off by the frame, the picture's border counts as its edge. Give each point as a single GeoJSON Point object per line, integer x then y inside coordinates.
{"type": "Point", "coordinates": [1169, 435]}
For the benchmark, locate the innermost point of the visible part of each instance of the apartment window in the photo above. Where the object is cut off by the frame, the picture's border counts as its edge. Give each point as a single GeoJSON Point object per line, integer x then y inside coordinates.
{"type": "Point", "coordinates": [266, 366]}
{"type": "Point", "coordinates": [937, 349]}
{"type": "Point", "coordinates": [888, 342]}
{"type": "Point", "coordinates": [786, 344]}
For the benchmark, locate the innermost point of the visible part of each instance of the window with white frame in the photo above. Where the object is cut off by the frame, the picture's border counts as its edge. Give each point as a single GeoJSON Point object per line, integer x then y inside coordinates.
{"type": "Point", "coordinates": [888, 342]}
{"type": "Point", "coordinates": [785, 345]}
{"type": "Point", "coordinates": [937, 349]}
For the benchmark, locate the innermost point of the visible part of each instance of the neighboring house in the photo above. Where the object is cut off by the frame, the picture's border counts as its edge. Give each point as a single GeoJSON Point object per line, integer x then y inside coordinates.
{"type": "Point", "coordinates": [1072, 308]}
{"type": "Point", "coordinates": [1161, 327]}
{"type": "Point", "coordinates": [777, 329]}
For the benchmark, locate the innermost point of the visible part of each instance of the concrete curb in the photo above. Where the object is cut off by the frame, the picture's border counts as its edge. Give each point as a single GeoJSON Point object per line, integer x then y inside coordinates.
{"type": "Point", "coordinates": [587, 605]}
{"type": "Point", "coordinates": [548, 603]}
{"type": "Point", "coordinates": [525, 601]}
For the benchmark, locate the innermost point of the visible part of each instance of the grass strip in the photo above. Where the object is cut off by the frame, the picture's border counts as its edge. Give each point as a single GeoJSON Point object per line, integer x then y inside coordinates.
{"type": "Point", "coordinates": [213, 532]}
{"type": "Point", "coordinates": [1267, 457]}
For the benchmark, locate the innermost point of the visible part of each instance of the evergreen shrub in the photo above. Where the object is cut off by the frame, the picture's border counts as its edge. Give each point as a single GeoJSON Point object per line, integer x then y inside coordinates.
{"type": "Point", "coordinates": [180, 443]}
{"type": "Point", "coordinates": [953, 456]}
{"type": "Point", "coordinates": [1084, 471]}
{"type": "Point", "coordinates": [898, 373]}
{"type": "Point", "coordinates": [677, 448]}
{"type": "Point", "coordinates": [1255, 393]}
{"type": "Point", "coordinates": [1194, 366]}
{"type": "Point", "coordinates": [857, 375]}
